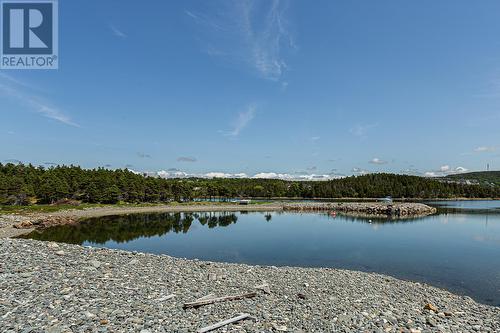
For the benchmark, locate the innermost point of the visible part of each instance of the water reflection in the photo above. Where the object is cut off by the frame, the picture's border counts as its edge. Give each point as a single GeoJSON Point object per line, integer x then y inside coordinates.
{"type": "Point", "coordinates": [457, 251]}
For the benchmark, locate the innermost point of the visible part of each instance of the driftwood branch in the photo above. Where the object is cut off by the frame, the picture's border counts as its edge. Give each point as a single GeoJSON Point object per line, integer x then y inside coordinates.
{"type": "Point", "coordinates": [199, 303]}
{"type": "Point", "coordinates": [223, 323]}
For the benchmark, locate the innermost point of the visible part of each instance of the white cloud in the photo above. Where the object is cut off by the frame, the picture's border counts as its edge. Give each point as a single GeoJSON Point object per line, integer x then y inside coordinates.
{"type": "Point", "coordinates": [16, 82]}
{"type": "Point", "coordinates": [244, 118]}
{"type": "Point", "coordinates": [485, 149]}
{"type": "Point", "coordinates": [377, 160]}
{"type": "Point", "coordinates": [361, 130]}
{"type": "Point", "coordinates": [445, 170]}
{"type": "Point", "coordinates": [266, 175]}
{"type": "Point", "coordinates": [359, 171]}
{"type": "Point", "coordinates": [224, 175]}
{"type": "Point", "coordinates": [17, 90]}
{"type": "Point", "coordinates": [284, 85]}
{"type": "Point", "coordinates": [191, 14]}
{"type": "Point", "coordinates": [249, 32]}
{"type": "Point", "coordinates": [217, 174]}
{"type": "Point", "coordinates": [287, 176]}
{"type": "Point", "coordinates": [128, 167]}
{"type": "Point", "coordinates": [53, 113]}
{"type": "Point", "coordinates": [117, 32]}
{"type": "Point", "coordinates": [172, 174]}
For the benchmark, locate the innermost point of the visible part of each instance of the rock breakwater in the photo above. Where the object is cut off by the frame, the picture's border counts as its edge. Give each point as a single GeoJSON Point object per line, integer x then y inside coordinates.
{"type": "Point", "coordinates": [409, 209]}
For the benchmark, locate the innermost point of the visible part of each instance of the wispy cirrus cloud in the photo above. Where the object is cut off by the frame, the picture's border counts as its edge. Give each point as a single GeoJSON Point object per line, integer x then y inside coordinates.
{"type": "Point", "coordinates": [52, 113]}
{"type": "Point", "coordinates": [117, 32]}
{"type": "Point", "coordinates": [12, 80]}
{"type": "Point", "coordinates": [361, 130]}
{"type": "Point", "coordinates": [243, 120]}
{"type": "Point", "coordinates": [19, 91]}
{"type": "Point", "coordinates": [483, 149]}
{"type": "Point", "coordinates": [251, 32]}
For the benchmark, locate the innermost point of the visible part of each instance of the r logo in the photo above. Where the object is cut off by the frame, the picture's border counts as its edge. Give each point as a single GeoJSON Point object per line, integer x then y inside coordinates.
{"type": "Point", "coordinates": [27, 28]}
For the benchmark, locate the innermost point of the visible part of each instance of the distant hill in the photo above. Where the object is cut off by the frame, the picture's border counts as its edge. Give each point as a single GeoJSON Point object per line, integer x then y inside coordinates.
{"type": "Point", "coordinates": [480, 177]}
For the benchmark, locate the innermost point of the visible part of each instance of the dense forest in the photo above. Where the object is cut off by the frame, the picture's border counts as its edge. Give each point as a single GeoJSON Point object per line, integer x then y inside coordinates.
{"type": "Point", "coordinates": [26, 184]}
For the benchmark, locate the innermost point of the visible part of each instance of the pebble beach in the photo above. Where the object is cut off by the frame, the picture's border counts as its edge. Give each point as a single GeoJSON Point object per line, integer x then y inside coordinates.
{"type": "Point", "coordinates": [54, 287]}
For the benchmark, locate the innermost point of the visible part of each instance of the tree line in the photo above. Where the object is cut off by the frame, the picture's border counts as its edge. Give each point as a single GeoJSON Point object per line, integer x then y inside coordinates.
{"type": "Point", "coordinates": [27, 184]}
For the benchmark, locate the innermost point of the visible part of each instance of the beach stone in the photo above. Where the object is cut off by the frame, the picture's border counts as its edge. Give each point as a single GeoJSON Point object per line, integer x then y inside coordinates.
{"type": "Point", "coordinates": [99, 290]}
{"type": "Point", "coordinates": [431, 321]}
{"type": "Point", "coordinates": [52, 245]}
{"type": "Point", "coordinates": [430, 307]}
{"type": "Point", "coordinates": [95, 263]}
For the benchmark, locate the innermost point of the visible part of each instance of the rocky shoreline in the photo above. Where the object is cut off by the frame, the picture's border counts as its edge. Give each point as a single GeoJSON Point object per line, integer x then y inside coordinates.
{"type": "Point", "coordinates": [49, 287]}
{"type": "Point", "coordinates": [368, 209]}
{"type": "Point", "coordinates": [13, 225]}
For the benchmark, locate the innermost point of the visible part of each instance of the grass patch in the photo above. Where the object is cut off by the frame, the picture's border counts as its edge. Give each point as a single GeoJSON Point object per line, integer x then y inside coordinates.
{"type": "Point", "coordinates": [7, 209]}
{"type": "Point", "coordinates": [4, 209]}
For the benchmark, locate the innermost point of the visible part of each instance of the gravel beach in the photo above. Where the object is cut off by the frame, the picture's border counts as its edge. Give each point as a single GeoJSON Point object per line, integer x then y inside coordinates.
{"type": "Point", "coordinates": [49, 287]}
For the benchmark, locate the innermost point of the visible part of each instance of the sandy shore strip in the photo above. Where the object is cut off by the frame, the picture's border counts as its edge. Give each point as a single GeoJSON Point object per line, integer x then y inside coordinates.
{"type": "Point", "coordinates": [49, 287]}
{"type": "Point", "coordinates": [13, 225]}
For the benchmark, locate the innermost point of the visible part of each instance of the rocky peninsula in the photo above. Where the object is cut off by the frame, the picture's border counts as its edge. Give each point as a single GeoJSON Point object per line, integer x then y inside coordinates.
{"type": "Point", "coordinates": [366, 209]}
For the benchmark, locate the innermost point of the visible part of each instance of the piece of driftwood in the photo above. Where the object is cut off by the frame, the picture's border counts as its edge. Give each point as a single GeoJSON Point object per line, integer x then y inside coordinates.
{"type": "Point", "coordinates": [197, 304]}
{"type": "Point", "coordinates": [224, 323]}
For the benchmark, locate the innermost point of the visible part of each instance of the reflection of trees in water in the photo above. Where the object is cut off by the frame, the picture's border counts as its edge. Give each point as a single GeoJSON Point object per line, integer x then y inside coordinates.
{"type": "Point", "coordinates": [378, 219]}
{"type": "Point", "coordinates": [124, 228]}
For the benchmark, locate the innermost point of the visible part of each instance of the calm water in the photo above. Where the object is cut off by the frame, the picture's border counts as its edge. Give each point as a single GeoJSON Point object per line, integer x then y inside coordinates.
{"type": "Point", "coordinates": [486, 205]}
{"type": "Point", "coordinates": [457, 251]}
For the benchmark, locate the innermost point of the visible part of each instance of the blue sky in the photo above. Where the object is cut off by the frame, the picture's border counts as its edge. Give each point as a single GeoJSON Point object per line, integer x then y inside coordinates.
{"type": "Point", "coordinates": [263, 87]}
